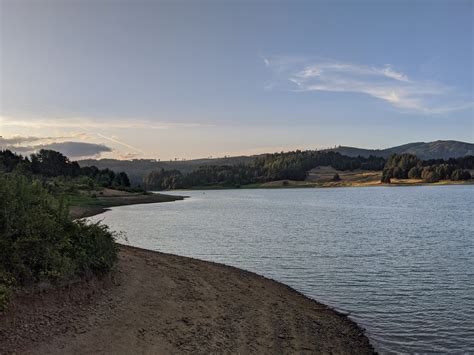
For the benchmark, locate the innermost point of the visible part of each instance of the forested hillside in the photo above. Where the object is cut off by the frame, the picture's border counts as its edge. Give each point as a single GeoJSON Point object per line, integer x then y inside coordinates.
{"type": "Point", "coordinates": [139, 169]}
{"type": "Point", "coordinates": [296, 165]}
{"type": "Point", "coordinates": [270, 167]}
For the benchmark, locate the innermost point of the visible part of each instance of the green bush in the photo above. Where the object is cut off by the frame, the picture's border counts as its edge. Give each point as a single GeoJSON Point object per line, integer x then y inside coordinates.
{"type": "Point", "coordinates": [95, 251]}
{"type": "Point", "coordinates": [39, 242]}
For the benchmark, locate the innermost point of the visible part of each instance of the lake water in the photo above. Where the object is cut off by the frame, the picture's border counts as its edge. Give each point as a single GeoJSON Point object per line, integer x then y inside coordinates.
{"type": "Point", "coordinates": [399, 259]}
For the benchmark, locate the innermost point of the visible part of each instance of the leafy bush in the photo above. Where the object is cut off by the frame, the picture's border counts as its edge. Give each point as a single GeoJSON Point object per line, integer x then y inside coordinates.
{"type": "Point", "coordinates": [39, 242]}
{"type": "Point", "coordinates": [95, 251]}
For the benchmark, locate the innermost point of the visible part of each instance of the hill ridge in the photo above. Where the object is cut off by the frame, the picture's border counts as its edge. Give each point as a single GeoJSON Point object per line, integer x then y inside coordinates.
{"type": "Point", "coordinates": [440, 149]}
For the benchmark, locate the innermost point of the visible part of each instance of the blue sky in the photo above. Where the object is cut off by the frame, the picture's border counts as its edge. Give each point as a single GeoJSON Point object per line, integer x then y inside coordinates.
{"type": "Point", "coordinates": [165, 79]}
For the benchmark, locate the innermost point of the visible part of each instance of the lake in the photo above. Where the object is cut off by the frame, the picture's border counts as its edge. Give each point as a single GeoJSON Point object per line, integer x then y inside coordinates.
{"type": "Point", "coordinates": [400, 260]}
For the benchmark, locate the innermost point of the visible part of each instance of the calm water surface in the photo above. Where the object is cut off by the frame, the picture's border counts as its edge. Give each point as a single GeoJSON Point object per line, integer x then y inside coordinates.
{"type": "Point", "coordinates": [399, 259]}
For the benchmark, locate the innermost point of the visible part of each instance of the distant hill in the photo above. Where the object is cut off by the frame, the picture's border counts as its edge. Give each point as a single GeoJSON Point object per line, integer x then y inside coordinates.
{"type": "Point", "coordinates": [424, 151]}
{"type": "Point", "coordinates": [138, 168]}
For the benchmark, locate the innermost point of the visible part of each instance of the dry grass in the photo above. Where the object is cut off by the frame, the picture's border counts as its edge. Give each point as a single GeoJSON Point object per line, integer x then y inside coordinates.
{"type": "Point", "coordinates": [323, 177]}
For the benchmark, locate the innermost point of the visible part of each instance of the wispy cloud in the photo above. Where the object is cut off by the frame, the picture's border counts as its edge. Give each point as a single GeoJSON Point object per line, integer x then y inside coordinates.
{"type": "Point", "coordinates": [384, 83]}
{"type": "Point", "coordinates": [95, 131]}
{"type": "Point", "coordinates": [90, 123]}
{"type": "Point", "coordinates": [115, 140]}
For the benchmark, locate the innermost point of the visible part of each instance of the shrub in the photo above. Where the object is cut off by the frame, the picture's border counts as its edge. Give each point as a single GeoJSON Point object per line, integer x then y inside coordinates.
{"type": "Point", "coordinates": [336, 177]}
{"type": "Point", "coordinates": [95, 251]}
{"type": "Point", "coordinates": [39, 242]}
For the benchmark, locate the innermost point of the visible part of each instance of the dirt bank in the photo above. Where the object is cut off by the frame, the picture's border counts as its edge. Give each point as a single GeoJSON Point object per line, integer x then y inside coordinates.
{"type": "Point", "coordinates": [158, 303]}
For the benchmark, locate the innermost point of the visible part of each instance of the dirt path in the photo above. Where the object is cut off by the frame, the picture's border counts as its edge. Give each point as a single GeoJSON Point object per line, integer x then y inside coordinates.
{"type": "Point", "coordinates": [162, 304]}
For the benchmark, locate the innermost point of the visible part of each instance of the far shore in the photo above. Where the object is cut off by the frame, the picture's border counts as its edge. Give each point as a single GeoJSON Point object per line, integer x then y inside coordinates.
{"type": "Point", "coordinates": [292, 184]}
{"type": "Point", "coordinates": [87, 206]}
{"type": "Point", "coordinates": [159, 303]}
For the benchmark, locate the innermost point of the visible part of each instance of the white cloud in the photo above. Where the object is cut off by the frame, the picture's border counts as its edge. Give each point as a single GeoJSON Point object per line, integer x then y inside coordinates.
{"type": "Point", "coordinates": [266, 61]}
{"type": "Point", "coordinates": [384, 83]}
{"type": "Point", "coordinates": [390, 73]}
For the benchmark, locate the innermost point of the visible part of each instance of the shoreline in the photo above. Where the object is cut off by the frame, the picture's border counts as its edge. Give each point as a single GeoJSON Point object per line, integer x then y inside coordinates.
{"type": "Point", "coordinates": [328, 185]}
{"type": "Point", "coordinates": [201, 306]}
{"type": "Point", "coordinates": [85, 211]}
{"type": "Point", "coordinates": [103, 204]}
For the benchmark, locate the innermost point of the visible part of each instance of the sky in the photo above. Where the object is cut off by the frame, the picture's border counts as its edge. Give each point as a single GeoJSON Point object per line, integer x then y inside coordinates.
{"type": "Point", "coordinates": [189, 79]}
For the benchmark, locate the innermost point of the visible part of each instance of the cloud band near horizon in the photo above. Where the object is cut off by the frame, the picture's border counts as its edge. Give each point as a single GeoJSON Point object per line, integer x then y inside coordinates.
{"type": "Point", "coordinates": [30, 144]}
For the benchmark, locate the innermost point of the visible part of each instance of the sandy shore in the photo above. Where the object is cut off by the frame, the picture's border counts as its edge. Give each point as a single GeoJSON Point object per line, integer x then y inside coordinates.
{"type": "Point", "coordinates": [103, 203]}
{"type": "Point", "coordinates": [158, 303]}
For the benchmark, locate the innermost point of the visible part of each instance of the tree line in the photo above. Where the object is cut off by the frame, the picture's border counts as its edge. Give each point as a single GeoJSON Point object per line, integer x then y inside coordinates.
{"type": "Point", "coordinates": [408, 166]}
{"type": "Point", "coordinates": [293, 165]}
{"type": "Point", "coordinates": [49, 164]}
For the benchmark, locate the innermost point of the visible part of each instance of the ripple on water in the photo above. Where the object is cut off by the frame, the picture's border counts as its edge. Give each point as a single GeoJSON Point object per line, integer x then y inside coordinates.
{"type": "Point", "coordinates": [399, 260]}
